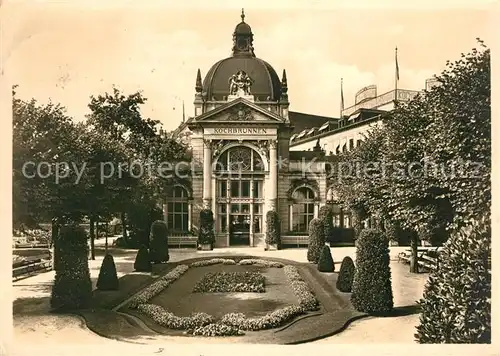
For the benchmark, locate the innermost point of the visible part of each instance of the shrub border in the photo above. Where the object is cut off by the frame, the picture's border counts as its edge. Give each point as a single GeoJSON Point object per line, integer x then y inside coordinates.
{"type": "Point", "coordinates": [230, 324]}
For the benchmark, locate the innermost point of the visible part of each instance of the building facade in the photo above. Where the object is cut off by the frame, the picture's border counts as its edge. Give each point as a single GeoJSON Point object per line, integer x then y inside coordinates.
{"type": "Point", "coordinates": [252, 155]}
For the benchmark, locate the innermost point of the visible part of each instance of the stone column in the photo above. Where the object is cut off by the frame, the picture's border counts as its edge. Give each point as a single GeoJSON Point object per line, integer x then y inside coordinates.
{"type": "Point", "coordinates": [207, 174]}
{"type": "Point", "coordinates": [273, 174]}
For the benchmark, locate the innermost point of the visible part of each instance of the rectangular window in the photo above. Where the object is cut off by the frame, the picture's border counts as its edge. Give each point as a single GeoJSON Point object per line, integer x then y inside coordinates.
{"type": "Point", "coordinates": [222, 193]}
{"type": "Point", "coordinates": [257, 189]}
{"type": "Point", "coordinates": [245, 208]}
{"type": "Point", "coordinates": [235, 188]}
{"type": "Point", "coordinates": [222, 208]}
{"type": "Point", "coordinates": [257, 223]}
{"type": "Point", "coordinates": [222, 223]}
{"type": "Point", "coordinates": [245, 188]}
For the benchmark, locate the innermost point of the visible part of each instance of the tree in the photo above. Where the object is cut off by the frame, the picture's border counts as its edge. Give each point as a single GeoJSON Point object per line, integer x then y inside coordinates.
{"type": "Point", "coordinates": [146, 150]}
{"type": "Point", "coordinates": [47, 161]}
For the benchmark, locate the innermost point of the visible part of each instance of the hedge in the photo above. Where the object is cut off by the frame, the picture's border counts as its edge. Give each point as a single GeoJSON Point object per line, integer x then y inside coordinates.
{"type": "Point", "coordinates": [326, 216]}
{"type": "Point", "coordinates": [316, 240]}
{"type": "Point", "coordinates": [108, 279]}
{"type": "Point", "coordinates": [159, 242]}
{"type": "Point", "coordinates": [372, 287]}
{"type": "Point", "coordinates": [273, 230]}
{"type": "Point", "coordinates": [143, 260]}
{"type": "Point", "coordinates": [346, 275]}
{"type": "Point", "coordinates": [206, 233]}
{"type": "Point", "coordinates": [456, 304]}
{"type": "Point", "coordinates": [325, 263]}
{"type": "Point", "coordinates": [72, 288]}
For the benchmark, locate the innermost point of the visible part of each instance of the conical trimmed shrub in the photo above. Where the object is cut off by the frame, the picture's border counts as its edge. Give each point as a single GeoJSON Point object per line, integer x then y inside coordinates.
{"type": "Point", "coordinates": [346, 275]}
{"type": "Point", "coordinates": [72, 288]}
{"type": "Point", "coordinates": [108, 279]}
{"type": "Point", "coordinates": [372, 287]}
{"type": "Point", "coordinates": [325, 263]}
{"type": "Point", "coordinates": [316, 240]}
{"type": "Point", "coordinates": [142, 260]}
{"type": "Point", "coordinates": [159, 242]}
{"type": "Point", "coordinates": [456, 304]}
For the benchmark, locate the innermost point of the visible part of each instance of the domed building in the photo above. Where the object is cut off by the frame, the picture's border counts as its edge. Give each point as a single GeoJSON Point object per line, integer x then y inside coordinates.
{"type": "Point", "coordinates": [243, 165]}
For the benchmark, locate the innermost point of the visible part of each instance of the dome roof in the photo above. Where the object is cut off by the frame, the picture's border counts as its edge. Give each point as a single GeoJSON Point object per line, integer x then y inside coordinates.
{"type": "Point", "coordinates": [266, 82]}
{"type": "Point", "coordinates": [243, 29]}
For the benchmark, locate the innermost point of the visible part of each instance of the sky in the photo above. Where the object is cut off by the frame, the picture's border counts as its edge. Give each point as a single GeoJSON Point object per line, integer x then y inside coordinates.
{"type": "Point", "coordinates": [68, 51]}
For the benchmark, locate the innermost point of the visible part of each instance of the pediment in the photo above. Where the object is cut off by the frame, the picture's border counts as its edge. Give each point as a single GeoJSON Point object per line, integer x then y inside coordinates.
{"type": "Point", "coordinates": [239, 111]}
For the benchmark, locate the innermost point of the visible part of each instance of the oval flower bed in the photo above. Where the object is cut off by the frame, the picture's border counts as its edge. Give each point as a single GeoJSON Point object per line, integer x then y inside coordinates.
{"type": "Point", "coordinates": [231, 324]}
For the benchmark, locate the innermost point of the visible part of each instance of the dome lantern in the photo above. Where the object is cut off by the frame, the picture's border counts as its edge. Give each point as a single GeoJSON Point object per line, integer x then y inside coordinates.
{"type": "Point", "coordinates": [243, 38]}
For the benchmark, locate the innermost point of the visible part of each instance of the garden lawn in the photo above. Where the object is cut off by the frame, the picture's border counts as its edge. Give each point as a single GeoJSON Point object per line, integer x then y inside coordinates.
{"type": "Point", "coordinates": [180, 299]}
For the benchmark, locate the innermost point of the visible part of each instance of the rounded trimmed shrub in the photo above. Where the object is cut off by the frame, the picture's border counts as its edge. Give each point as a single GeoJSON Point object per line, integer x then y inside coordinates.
{"type": "Point", "coordinates": [108, 279]}
{"type": "Point", "coordinates": [206, 233]}
{"type": "Point", "coordinates": [273, 228]}
{"type": "Point", "coordinates": [316, 240]}
{"type": "Point", "coordinates": [346, 275]}
{"type": "Point", "coordinates": [456, 304]}
{"type": "Point", "coordinates": [72, 288]}
{"type": "Point", "coordinates": [372, 287]}
{"type": "Point", "coordinates": [326, 216]}
{"type": "Point", "coordinates": [325, 263]}
{"type": "Point", "coordinates": [158, 246]}
{"type": "Point", "coordinates": [143, 260]}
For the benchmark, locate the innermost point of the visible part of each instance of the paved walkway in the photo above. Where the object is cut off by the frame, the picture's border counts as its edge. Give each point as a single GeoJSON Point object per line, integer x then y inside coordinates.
{"type": "Point", "coordinates": [34, 326]}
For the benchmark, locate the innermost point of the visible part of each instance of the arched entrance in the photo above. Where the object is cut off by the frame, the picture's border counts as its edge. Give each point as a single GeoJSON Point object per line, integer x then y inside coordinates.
{"type": "Point", "coordinates": [240, 174]}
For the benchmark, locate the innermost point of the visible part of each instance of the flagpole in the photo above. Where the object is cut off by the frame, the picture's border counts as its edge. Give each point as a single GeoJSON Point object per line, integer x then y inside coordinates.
{"type": "Point", "coordinates": [396, 79]}
{"type": "Point", "coordinates": [341, 96]}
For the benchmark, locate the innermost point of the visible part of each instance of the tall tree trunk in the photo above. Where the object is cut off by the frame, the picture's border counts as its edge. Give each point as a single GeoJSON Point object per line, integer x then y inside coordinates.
{"type": "Point", "coordinates": [106, 243]}
{"type": "Point", "coordinates": [53, 241]}
{"type": "Point", "coordinates": [414, 253]}
{"type": "Point", "coordinates": [124, 226]}
{"type": "Point", "coordinates": [92, 238]}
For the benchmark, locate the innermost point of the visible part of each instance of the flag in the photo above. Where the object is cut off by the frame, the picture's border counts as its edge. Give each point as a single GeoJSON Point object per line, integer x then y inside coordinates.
{"type": "Point", "coordinates": [397, 65]}
{"type": "Point", "coordinates": [341, 95]}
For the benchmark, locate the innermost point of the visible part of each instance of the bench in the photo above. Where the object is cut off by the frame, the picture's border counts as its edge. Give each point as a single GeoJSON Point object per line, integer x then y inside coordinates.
{"type": "Point", "coordinates": [32, 265]}
{"type": "Point", "coordinates": [179, 241]}
{"type": "Point", "coordinates": [428, 262]}
{"type": "Point", "coordinates": [295, 240]}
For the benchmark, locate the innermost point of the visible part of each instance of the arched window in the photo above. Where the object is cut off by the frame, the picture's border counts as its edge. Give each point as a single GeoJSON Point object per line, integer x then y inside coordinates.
{"type": "Point", "coordinates": [303, 209]}
{"type": "Point", "coordinates": [239, 159]}
{"type": "Point", "coordinates": [177, 210]}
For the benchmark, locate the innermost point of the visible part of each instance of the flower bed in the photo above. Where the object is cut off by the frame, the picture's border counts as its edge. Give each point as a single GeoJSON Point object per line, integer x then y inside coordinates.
{"type": "Point", "coordinates": [169, 320]}
{"type": "Point", "coordinates": [231, 324]}
{"type": "Point", "coordinates": [158, 286]}
{"type": "Point", "coordinates": [227, 282]}
{"type": "Point", "coordinates": [213, 261]}
{"type": "Point", "coordinates": [217, 330]}
{"type": "Point", "coordinates": [264, 263]}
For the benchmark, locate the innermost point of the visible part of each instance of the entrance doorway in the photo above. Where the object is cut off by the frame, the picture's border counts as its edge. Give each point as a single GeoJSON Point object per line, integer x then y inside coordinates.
{"type": "Point", "coordinates": [240, 195]}
{"type": "Point", "coordinates": [239, 225]}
